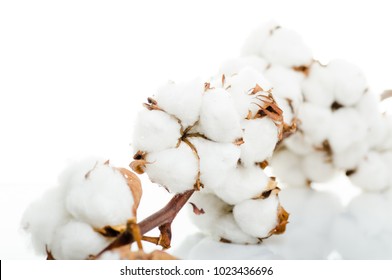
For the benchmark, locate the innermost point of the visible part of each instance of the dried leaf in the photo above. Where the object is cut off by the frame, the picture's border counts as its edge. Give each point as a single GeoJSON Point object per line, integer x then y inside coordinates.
{"type": "Point", "coordinates": [139, 166]}
{"type": "Point", "coordinates": [134, 185]}
{"type": "Point", "coordinates": [196, 210]}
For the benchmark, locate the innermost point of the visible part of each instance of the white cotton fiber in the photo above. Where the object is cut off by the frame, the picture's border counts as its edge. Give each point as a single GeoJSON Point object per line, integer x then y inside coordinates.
{"type": "Point", "coordinates": [243, 183]}
{"type": "Point", "coordinates": [234, 66]}
{"type": "Point", "coordinates": [216, 161]}
{"type": "Point", "coordinates": [285, 47]}
{"type": "Point", "coordinates": [101, 198]}
{"type": "Point", "coordinates": [287, 167]}
{"type": "Point", "coordinates": [298, 144]}
{"type": "Point", "coordinates": [349, 83]}
{"type": "Point", "coordinates": [351, 157]}
{"type": "Point", "coordinates": [153, 125]}
{"type": "Point", "coordinates": [241, 85]}
{"type": "Point", "coordinates": [226, 228]}
{"type": "Point", "coordinates": [175, 169]}
{"type": "Point", "coordinates": [371, 174]}
{"type": "Point", "coordinates": [315, 122]}
{"type": "Point", "coordinates": [42, 217]}
{"type": "Point", "coordinates": [255, 42]}
{"type": "Point", "coordinates": [347, 127]}
{"type": "Point", "coordinates": [212, 209]}
{"type": "Point", "coordinates": [219, 120]}
{"type": "Point", "coordinates": [257, 217]}
{"type": "Point", "coordinates": [76, 241]}
{"type": "Point", "coordinates": [260, 137]}
{"type": "Point", "coordinates": [182, 100]}
{"type": "Point", "coordinates": [318, 167]}
{"type": "Point", "coordinates": [316, 87]}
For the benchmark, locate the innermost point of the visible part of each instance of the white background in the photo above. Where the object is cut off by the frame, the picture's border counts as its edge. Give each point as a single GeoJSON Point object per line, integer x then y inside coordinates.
{"type": "Point", "coordinates": [73, 74]}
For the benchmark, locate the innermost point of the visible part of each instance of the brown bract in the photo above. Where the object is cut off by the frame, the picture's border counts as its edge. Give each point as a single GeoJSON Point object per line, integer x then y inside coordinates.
{"type": "Point", "coordinates": [134, 185]}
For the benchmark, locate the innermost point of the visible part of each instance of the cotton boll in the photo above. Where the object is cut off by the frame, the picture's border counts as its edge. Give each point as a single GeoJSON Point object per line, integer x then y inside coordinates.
{"type": "Point", "coordinates": [42, 217]}
{"type": "Point", "coordinates": [350, 158]}
{"type": "Point", "coordinates": [315, 87]}
{"type": "Point", "coordinates": [260, 137]}
{"type": "Point", "coordinates": [241, 85]}
{"type": "Point", "coordinates": [257, 217]}
{"type": "Point", "coordinates": [174, 168]}
{"type": "Point", "coordinates": [371, 174]}
{"type": "Point", "coordinates": [315, 122]}
{"type": "Point", "coordinates": [212, 207]}
{"type": "Point", "coordinates": [153, 125]}
{"type": "Point", "coordinates": [182, 100]}
{"type": "Point", "coordinates": [317, 167]}
{"type": "Point", "coordinates": [234, 66]}
{"type": "Point", "coordinates": [216, 161]}
{"type": "Point", "coordinates": [347, 127]}
{"type": "Point", "coordinates": [377, 132]}
{"type": "Point", "coordinates": [287, 167]}
{"type": "Point", "coordinates": [226, 229]}
{"type": "Point", "coordinates": [101, 198]}
{"type": "Point", "coordinates": [349, 82]}
{"type": "Point", "coordinates": [242, 184]}
{"type": "Point", "coordinates": [286, 82]}
{"type": "Point", "coordinates": [76, 241]}
{"type": "Point", "coordinates": [368, 107]}
{"type": "Point", "coordinates": [253, 45]}
{"type": "Point", "coordinates": [298, 144]}
{"type": "Point", "coordinates": [285, 47]}
{"type": "Point", "coordinates": [209, 249]}
{"type": "Point", "coordinates": [219, 120]}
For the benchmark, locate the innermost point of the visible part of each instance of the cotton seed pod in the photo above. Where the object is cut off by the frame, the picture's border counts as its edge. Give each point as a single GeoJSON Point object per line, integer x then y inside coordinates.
{"type": "Point", "coordinates": [261, 217]}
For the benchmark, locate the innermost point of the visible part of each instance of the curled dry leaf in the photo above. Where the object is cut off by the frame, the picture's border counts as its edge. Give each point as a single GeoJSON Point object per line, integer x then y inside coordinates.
{"type": "Point", "coordinates": [134, 185]}
{"type": "Point", "coordinates": [196, 210]}
{"type": "Point", "coordinates": [283, 217]}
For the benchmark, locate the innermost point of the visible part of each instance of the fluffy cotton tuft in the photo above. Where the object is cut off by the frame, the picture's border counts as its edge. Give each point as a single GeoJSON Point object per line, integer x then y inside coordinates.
{"type": "Point", "coordinates": [175, 169]}
{"type": "Point", "coordinates": [76, 241]}
{"type": "Point", "coordinates": [153, 125]}
{"type": "Point", "coordinates": [182, 100]}
{"type": "Point", "coordinates": [257, 217]}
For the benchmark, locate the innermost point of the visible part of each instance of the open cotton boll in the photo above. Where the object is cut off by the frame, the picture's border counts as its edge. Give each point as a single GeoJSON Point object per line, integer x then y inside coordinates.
{"type": "Point", "coordinates": [76, 241]}
{"type": "Point", "coordinates": [349, 83]}
{"type": "Point", "coordinates": [152, 125]}
{"type": "Point", "coordinates": [234, 66]}
{"type": "Point", "coordinates": [286, 47]}
{"type": "Point", "coordinates": [42, 217]}
{"type": "Point", "coordinates": [257, 217]}
{"type": "Point", "coordinates": [371, 173]}
{"type": "Point", "coordinates": [226, 229]}
{"type": "Point", "coordinates": [256, 40]}
{"type": "Point", "coordinates": [241, 85]}
{"type": "Point", "coordinates": [242, 184]}
{"type": "Point", "coordinates": [315, 122]}
{"type": "Point", "coordinates": [317, 167]}
{"type": "Point", "coordinates": [219, 120]}
{"type": "Point", "coordinates": [212, 209]}
{"type": "Point", "coordinates": [350, 158]}
{"type": "Point", "coordinates": [347, 127]}
{"type": "Point", "coordinates": [216, 161]}
{"type": "Point", "coordinates": [182, 100]}
{"type": "Point", "coordinates": [286, 82]}
{"type": "Point", "coordinates": [175, 169]}
{"type": "Point", "coordinates": [298, 144]}
{"type": "Point", "coordinates": [260, 137]}
{"type": "Point", "coordinates": [101, 198]}
{"type": "Point", "coordinates": [287, 167]}
{"type": "Point", "coordinates": [316, 87]}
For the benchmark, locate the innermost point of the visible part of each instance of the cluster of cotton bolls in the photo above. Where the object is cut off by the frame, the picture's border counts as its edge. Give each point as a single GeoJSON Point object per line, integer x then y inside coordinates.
{"type": "Point", "coordinates": [339, 126]}
{"type": "Point", "coordinates": [215, 137]}
{"type": "Point", "coordinates": [65, 222]}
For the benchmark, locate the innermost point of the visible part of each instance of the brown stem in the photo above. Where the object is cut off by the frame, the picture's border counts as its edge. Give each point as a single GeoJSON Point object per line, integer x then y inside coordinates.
{"type": "Point", "coordinates": [162, 217]}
